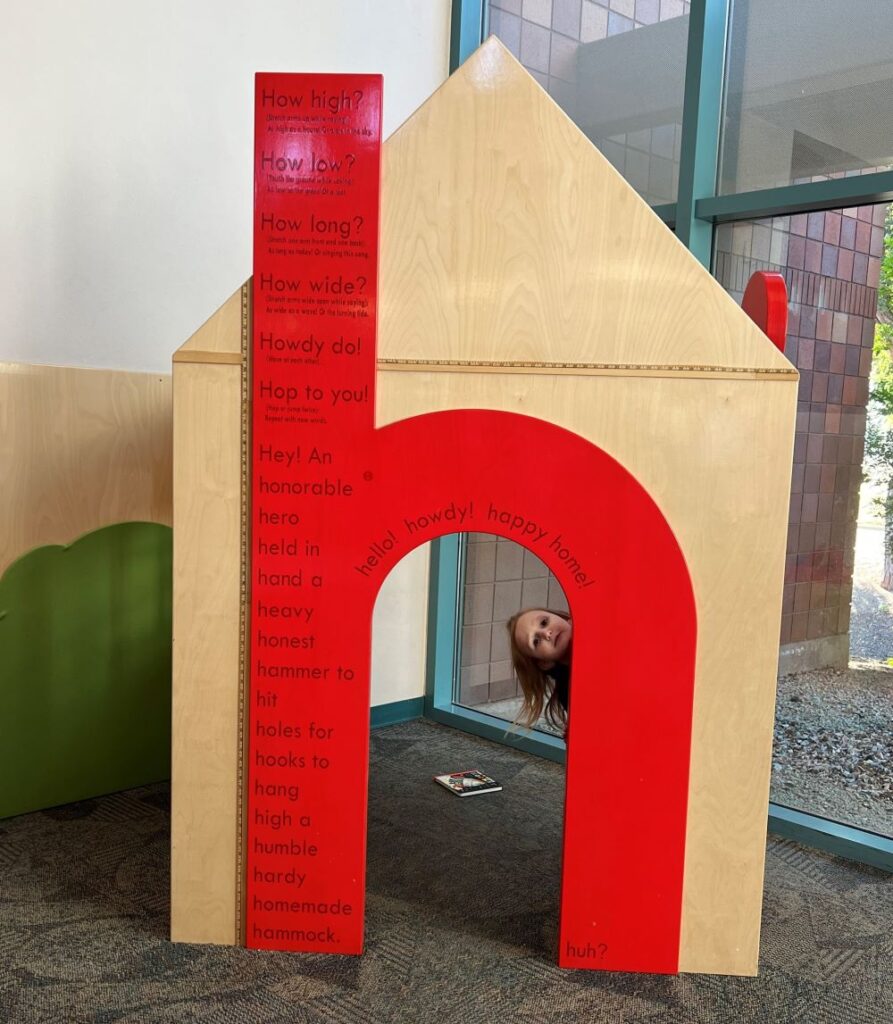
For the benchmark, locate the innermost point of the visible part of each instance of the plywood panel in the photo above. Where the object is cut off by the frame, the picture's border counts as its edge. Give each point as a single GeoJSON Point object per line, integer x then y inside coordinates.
{"type": "Point", "coordinates": [219, 339]}
{"type": "Point", "coordinates": [715, 455]}
{"type": "Point", "coordinates": [80, 449]}
{"type": "Point", "coordinates": [207, 493]}
{"type": "Point", "coordinates": [507, 238]}
{"type": "Point", "coordinates": [507, 235]}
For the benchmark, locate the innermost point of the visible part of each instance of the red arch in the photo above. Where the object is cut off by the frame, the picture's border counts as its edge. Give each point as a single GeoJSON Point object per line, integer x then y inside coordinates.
{"type": "Point", "coordinates": [634, 655]}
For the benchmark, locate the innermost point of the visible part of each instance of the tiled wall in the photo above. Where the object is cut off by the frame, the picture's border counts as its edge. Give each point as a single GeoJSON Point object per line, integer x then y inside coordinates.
{"type": "Point", "coordinates": [501, 577]}
{"type": "Point", "coordinates": [546, 35]}
{"type": "Point", "coordinates": [831, 262]}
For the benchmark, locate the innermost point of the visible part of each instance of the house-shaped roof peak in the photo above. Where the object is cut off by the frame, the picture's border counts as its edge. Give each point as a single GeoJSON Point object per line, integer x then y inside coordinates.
{"type": "Point", "coordinates": [508, 238]}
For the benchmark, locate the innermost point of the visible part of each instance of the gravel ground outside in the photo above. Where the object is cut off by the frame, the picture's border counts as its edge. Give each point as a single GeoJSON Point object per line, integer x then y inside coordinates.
{"type": "Point", "coordinates": [833, 750]}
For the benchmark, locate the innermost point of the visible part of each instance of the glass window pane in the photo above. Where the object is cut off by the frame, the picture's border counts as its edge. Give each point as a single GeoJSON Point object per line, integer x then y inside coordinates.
{"type": "Point", "coordinates": [501, 579]}
{"type": "Point", "coordinates": [834, 723]}
{"type": "Point", "coordinates": [809, 92]}
{"type": "Point", "coordinates": [617, 68]}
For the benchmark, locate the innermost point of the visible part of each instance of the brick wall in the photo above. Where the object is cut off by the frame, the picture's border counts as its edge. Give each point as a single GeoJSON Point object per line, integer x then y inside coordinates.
{"type": "Point", "coordinates": [831, 263]}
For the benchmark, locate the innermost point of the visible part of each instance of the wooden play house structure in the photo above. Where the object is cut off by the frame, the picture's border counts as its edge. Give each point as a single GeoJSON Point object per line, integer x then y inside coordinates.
{"type": "Point", "coordinates": [548, 354]}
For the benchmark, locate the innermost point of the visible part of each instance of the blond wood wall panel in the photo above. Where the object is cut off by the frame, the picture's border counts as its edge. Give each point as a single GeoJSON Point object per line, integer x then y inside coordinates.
{"type": "Point", "coordinates": [219, 339]}
{"type": "Point", "coordinates": [80, 449]}
{"type": "Point", "coordinates": [207, 558]}
{"type": "Point", "coordinates": [679, 437]}
{"type": "Point", "coordinates": [715, 456]}
{"type": "Point", "coordinates": [506, 235]}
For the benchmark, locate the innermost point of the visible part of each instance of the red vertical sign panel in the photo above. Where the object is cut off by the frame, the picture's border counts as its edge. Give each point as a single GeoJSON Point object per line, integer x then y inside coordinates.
{"type": "Point", "coordinates": [317, 169]}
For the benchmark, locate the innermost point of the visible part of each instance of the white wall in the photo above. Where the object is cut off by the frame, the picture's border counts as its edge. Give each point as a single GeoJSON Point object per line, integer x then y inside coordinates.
{"type": "Point", "coordinates": [126, 175]}
{"type": "Point", "coordinates": [126, 184]}
{"type": "Point", "coordinates": [399, 630]}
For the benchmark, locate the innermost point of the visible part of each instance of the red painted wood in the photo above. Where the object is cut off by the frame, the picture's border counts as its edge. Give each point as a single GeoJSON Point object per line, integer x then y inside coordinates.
{"type": "Point", "coordinates": [766, 303]}
{"type": "Point", "coordinates": [373, 496]}
{"type": "Point", "coordinates": [317, 160]}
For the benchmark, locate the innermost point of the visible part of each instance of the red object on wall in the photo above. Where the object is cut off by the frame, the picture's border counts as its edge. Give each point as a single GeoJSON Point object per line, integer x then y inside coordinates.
{"type": "Point", "coordinates": [337, 503]}
{"type": "Point", "coordinates": [766, 303]}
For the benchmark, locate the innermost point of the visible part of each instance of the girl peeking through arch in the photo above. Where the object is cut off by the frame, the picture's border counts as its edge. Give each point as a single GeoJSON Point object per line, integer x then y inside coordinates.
{"type": "Point", "coordinates": [540, 640]}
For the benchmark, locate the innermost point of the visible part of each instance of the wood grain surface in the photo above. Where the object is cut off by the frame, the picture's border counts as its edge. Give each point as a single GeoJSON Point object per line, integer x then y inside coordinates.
{"type": "Point", "coordinates": [506, 234]}
{"type": "Point", "coordinates": [207, 558]}
{"type": "Point", "coordinates": [80, 449]}
{"type": "Point", "coordinates": [715, 456]}
{"type": "Point", "coordinates": [508, 239]}
{"type": "Point", "coordinates": [219, 339]}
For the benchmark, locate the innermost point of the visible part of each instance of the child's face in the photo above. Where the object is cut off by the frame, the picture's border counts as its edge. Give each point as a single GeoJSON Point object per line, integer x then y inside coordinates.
{"type": "Point", "coordinates": [543, 636]}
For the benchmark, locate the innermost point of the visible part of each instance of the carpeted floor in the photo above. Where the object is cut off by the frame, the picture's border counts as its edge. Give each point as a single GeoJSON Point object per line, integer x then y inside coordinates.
{"type": "Point", "coordinates": [460, 925]}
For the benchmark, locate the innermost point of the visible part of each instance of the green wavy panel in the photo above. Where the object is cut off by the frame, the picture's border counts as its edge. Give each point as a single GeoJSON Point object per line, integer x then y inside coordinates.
{"type": "Point", "coordinates": [85, 667]}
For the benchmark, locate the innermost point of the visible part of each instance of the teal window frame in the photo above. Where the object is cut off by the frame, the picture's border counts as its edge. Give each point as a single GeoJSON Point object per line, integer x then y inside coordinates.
{"type": "Point", "coordinates": [694, 216]}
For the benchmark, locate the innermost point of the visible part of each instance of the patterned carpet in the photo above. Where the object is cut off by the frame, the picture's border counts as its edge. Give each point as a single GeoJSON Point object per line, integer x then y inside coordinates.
{"type": "Point", "coordinates": [460, 927]}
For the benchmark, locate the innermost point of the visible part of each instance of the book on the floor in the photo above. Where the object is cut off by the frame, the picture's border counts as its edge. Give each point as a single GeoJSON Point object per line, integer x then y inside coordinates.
{"type": "Point", "coordinates": [468, 783]}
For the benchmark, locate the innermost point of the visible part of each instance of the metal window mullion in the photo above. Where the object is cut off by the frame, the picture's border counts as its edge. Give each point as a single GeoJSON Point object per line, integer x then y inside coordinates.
{"type": "Point", "coordinates": [666, 212]}
{"type": "Point", "coordinates": [833, 194]}
{"type": "Point", "coordinates": [701, 114]}
{"type": "Point", "coordinates": [444, 622]}
{"type": "Point", "coordinates": [847, 841]}
{"type": "Point", "coordinates": [468, 25]}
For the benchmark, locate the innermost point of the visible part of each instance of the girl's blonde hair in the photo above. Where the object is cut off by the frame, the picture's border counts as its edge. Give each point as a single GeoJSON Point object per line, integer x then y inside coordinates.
{"type": "Point", "coordinates": [536, 684]}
